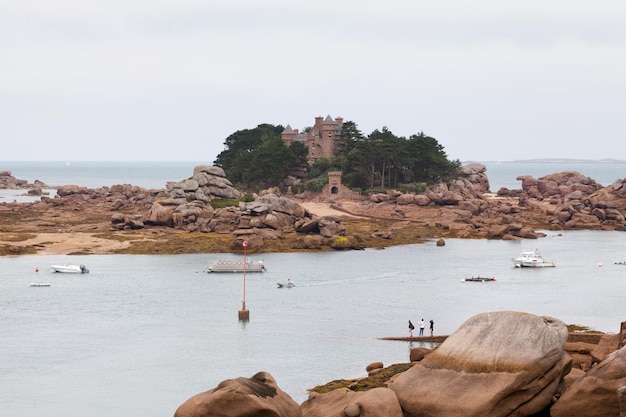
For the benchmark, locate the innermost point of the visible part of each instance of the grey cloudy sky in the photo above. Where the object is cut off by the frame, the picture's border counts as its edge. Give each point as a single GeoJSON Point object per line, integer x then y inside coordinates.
{"type": "Point", "coordinates": [171, 79]}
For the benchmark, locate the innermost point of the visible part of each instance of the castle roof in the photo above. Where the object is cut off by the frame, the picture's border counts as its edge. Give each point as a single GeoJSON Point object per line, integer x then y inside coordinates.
{"type": "Point", "coordinates": [301, 137]}
{"type": "Point", "coordinates": [288, 129]}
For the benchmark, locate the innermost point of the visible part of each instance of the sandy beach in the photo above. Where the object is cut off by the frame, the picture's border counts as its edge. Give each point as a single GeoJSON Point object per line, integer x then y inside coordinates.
{"type": "Point", "coordinates": [72, 241]}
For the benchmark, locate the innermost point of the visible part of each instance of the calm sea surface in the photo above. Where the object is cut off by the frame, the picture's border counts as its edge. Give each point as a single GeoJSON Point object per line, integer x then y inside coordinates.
{"type": "Point", "coordinates": [504, 174]}
{"type": "Point", "coordinates": [156, 174]}
{"type": "Point", "coordinates": [141, 334]}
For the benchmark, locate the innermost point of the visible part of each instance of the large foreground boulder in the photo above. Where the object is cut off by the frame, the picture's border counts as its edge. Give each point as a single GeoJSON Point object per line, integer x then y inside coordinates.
{"type": "Point", "coordinates": [255, 396]}
{"type": "Point", "coordinates": [496, 364]}
{"type": "Point", "coordinates": [343, 402]}
{"type": "Point", "coordinates": [595, 394]}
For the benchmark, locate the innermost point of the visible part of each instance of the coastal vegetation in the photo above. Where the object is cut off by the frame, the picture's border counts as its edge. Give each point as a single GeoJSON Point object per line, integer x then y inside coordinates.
{"type": "Point", "coordinates": [378, 379]}
{"type": "Point", "coordinates": [258, 158]}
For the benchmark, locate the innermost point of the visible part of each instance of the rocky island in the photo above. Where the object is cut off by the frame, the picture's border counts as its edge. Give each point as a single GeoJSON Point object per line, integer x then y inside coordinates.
{"type": "Point", "coordinates": [180, 218]}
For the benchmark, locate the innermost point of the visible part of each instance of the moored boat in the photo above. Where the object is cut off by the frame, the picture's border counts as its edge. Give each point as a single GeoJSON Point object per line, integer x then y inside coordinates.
{"type": "Point", "coordinates": [479, 279]}
{"type": "Point", "coordinates": [532, 259]}
{"type": "Point", "coordinates": [70, 269]}
{"type": "Point", "coordinates": [236, 266]}
{"type": "Point", "coordinates": [39, 284]}
{"type": "Point", "coordinates": [288, 284]}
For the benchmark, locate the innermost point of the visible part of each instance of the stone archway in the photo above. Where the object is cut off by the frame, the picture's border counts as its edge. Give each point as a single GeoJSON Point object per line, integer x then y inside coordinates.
{"type": "Point", "coordinates": [334, 182]}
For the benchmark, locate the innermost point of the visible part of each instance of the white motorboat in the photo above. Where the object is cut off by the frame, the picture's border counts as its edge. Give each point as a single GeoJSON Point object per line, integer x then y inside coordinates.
{"type": "Point", "coordinates": [39, 284]}
{"type": "Point", "coordinates": [532, 259]}
{"type": "Point", "coordinates": [288, 284]}
{"type": "Point", "coordinates": [70, 269]}
{"type": "Point", "coordinates": [236, 266]}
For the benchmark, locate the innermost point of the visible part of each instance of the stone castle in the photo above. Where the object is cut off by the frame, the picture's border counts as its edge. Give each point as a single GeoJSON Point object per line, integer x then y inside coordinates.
{"type": "Point", "coordinates": [321, 139]}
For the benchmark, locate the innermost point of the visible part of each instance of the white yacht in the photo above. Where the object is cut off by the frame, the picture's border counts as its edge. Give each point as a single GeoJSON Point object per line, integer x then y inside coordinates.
{"type": "Point", "coordinates": [532, 259]}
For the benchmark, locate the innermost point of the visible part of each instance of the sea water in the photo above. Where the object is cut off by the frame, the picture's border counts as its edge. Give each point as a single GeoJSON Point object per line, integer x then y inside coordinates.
{"type": "Point", "coordinates": [156, 174]}
{"type": "Point", "coordinates": [140, 334]}
{"type": "Point", "coordinates": [504, 174]}
{"type": "Point", "coordinates": [93, 174]}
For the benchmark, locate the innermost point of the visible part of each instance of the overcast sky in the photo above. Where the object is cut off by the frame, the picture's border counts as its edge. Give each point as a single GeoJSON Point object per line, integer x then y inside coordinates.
{"type": "Point", "coordinates": [171, 79]}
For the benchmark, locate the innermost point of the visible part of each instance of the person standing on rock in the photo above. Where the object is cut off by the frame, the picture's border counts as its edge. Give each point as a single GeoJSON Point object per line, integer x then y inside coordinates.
{"type": "Point", "coordinates": [422, 327]}
{"type": "Point", "coordinates": [432, 327]}
{"type": "Point", "coordinates": [411, 327]}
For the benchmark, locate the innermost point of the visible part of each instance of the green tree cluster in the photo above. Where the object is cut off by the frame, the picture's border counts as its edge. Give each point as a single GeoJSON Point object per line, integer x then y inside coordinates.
{"type": "Point", "coordinates": [385, 160]}
{"type": "Point", "coordinates": [258, 157]}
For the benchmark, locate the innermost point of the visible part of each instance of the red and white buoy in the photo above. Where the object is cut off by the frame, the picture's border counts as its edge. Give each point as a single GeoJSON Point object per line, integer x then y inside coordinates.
{"type": "Point", "coordinates": [244, 313]}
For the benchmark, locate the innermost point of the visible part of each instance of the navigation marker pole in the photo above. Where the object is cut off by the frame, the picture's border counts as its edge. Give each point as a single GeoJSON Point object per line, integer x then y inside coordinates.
{"type": "Point", "coordinates": [244, 315]}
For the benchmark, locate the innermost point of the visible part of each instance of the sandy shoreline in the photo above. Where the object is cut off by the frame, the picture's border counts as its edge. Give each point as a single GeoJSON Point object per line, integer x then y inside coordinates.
{"type": "Point", "coordinates": [324, 209]}
{"type": "Point", "coordinates": [65, 243]}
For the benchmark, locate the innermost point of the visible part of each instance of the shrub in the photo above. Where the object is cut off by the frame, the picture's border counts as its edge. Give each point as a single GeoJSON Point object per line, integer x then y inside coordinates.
{"type": "Point", "coordinates": [317, 184]}
{"type": "Point", "coordinates": [314, 172]}
{"type": "Point", "coordinates": [223, 203]}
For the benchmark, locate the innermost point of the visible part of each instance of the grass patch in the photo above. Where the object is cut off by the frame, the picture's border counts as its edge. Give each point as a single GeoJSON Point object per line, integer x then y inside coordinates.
{"type": "Point", "coordinates": [22, 250]}
{"type": "Point", "coordinates": [378, 379]}
{"type": "Point", "coordinates": [219, 203]}
{"type": "Point", "coordinates": [178, 243]}
{"type": "Point", "coordinates": [17, 237]}
{"type": "Point", "coordinates": [575, 328]}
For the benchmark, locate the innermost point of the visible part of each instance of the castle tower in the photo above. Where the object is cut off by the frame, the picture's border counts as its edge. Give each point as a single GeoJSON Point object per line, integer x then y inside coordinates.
{"type": "Point", "coordinates": [321, 139]}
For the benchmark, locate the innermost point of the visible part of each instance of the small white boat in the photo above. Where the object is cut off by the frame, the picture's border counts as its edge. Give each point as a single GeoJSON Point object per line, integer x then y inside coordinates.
{"type": "Point", "coordinates": [236, 266]}
{"type": "Point", "coordinates": [288, 284]}
{"type": "Point", "coordinates": [532, 259]}
{"type": "Point", "coordinates": [70, 269]}
{"type": "Point", "coordinates": [39, 284]}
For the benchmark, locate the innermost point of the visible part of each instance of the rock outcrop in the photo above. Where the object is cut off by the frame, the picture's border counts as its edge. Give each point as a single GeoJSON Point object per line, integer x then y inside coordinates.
{"type": "Point", "coordinates": [9, 182]}
{"type": "Point", "coordinates": [346, 403]}
{"type": "Point", "coordinates": [466, 208]}
{"type": "Point", "coordinates": [120, 197]}
{"type": "Point", "coordinates": [573, 200]}
{"type": "Point", "coordinates": [496, 364]}
{"type": "Point", "coordinates": [474, 176]}
{"type": "Point", "coordinates": [596, 393]}
{"type": "Point", "coordinates": [502, 363]}
{"type": "Point", "coordinates": [186, 205]}
{"type": "Point", "coordinates": [255, 396]}
{"type": "Point", "coordinates": [206, 183]}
